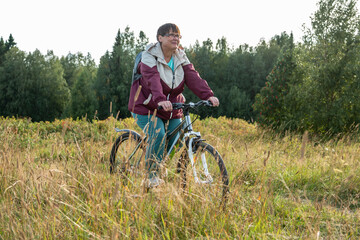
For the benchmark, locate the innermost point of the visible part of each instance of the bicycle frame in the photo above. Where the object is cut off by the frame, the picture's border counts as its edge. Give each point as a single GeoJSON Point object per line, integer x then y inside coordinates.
{"type": "Point", "coordinates": [189, 134]}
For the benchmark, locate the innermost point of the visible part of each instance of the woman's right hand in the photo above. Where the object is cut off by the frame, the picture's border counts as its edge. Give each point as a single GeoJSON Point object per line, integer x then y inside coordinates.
{"type": "Point", "coordinates": [166, 105]}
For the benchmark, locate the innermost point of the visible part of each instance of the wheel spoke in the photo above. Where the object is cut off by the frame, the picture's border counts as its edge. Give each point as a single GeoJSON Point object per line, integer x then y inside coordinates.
{"type": "Point", "coordinates": [211, 173]}
{"type": "Point", "coordinates": [126, 158]}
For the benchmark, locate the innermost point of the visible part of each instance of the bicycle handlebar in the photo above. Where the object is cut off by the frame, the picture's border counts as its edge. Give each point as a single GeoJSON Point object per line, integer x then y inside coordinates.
{"type": "Point", "coordinates": [189, 105]}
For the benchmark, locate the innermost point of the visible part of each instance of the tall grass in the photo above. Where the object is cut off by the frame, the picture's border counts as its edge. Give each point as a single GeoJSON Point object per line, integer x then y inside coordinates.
{"type": "Point", "coordinates": [55, 184]}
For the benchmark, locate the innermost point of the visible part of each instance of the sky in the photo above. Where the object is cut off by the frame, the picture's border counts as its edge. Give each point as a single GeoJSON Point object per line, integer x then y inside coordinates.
{"type": "Point", "coordinates": [90, 26]}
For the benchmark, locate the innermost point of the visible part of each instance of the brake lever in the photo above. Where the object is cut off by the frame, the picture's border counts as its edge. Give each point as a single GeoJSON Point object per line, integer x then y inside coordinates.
{"type": "Point", "coordinates": [208, 103]}
{"type": "Point", "coordinates": [177, 105]}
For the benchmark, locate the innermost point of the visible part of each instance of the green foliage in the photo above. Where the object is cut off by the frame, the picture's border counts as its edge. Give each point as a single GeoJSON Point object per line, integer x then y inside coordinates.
{"type": "Point", "coordinates": [321, 90]}
{"type": "Point", "coordinates": [102, 86]}
{"type": "Point", "coordinates": [309, 86]}
{"type": "Point", "coordinates": [13, 69]}
{"type": "Point", "coordinates": [272, 101]}
{"type": "Point", "coordinates": [5, 46]}
{"type": "Point", "coordinates": [83, 101]}
{"type": "Point", "coordinates": [80, 74]}
{"type": "Point", "coordinates": [334, 43]}
{"type": "Point", "coordinates": [72, 65]}
{"type": "Point", "coordinates": [235, 76]}
{"type": "Point", "coordinates": [113, 80]}
{"type": "Point", "coordinates": [32, 85]}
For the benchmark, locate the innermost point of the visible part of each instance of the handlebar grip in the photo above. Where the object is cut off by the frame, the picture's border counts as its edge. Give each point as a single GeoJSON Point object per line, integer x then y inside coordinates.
{"type": "Point", "coordinates": [175, 106]}
{"type": "Point", "coordinates": [181, 105]}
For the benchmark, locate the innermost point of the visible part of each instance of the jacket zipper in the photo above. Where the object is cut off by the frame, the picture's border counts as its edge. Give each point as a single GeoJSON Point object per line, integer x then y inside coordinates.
{"type": "Point", "coordinates": [172, 87]}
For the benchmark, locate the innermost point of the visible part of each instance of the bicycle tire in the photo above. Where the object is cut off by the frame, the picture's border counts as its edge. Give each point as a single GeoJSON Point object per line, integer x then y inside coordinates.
{"type": "Point", "coordinates": [218, 189]}
{"type": "Point", "coordinates": [124, 146]}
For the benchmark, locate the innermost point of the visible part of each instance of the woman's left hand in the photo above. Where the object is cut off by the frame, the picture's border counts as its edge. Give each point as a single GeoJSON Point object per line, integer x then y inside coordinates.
{"type": "Point", "coordinates": [214, 100]}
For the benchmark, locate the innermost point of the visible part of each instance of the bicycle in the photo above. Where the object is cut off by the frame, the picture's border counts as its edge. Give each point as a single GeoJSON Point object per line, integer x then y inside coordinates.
{"type": "Point", "coordinates": [207, 166]}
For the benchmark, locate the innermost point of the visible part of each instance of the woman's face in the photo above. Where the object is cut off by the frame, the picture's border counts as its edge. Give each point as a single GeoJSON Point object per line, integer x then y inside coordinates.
{"type": "Point", "coordinates": [170, 41]}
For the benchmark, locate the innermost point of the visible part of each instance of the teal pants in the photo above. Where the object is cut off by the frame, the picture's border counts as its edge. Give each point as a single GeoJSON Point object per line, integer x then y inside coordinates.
{"type": "Point", "coordinates": [157, 130]}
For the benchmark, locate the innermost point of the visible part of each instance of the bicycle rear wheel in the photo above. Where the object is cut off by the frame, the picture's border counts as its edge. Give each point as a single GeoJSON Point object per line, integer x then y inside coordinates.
{"type": "Point", "coordinates": [127, 155]}
{"type": "Point", "coordinates": [211, 180]}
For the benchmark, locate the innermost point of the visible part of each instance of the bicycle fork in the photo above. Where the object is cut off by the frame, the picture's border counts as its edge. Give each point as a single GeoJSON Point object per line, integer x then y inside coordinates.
{"type": "Point", "coordinates": [208, 177]}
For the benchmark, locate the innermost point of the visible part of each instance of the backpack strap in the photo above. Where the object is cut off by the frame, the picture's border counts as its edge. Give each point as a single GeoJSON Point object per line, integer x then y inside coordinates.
{"type": "Point", "coordinates": [136, 74]}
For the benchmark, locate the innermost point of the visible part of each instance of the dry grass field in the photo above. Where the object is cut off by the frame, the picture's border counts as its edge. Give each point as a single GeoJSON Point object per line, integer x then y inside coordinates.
{"type": "Point", "coordinates": [55, 184]}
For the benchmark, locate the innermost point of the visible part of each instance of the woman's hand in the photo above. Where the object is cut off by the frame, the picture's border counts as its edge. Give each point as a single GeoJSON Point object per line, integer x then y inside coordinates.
{"type": "Point", "coordinates": [166, 105]}
{"type": "Point", "coordinates": [214, 100]}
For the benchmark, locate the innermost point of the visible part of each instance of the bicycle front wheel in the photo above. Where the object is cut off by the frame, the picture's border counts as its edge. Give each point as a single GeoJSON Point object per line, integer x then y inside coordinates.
{"type": "Point", "coordinates": [209, 172]}
{"type": "Point", "coordinates": [127, 154]}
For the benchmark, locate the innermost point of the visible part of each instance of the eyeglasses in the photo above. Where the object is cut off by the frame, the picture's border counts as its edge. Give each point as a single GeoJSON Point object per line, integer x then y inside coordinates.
{"type": "Point", "coordinates": [173, 35]}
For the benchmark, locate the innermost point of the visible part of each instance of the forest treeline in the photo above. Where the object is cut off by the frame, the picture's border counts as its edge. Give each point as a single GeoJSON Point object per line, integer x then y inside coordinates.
{"type": "Point", "coordinates": [312, 85]}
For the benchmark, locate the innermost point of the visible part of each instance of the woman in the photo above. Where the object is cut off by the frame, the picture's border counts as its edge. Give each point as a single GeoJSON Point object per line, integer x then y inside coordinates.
{"type": "Point", "coordinates": [165, 70]}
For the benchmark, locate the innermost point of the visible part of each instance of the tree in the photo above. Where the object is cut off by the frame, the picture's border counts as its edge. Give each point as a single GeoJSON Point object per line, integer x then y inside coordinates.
{"type": "Point", "coordinates": [10, 42]}
{"type": "Point", "coordinates": [6, 46]}
{"type": "Point", "coordinates": [202, 57]}
{"type": "Point", "coordinates": [102, 87]}
{"type": "Point", "coordinates": [83, 101]}
{"type": "Point", "coordinates": [141, 42]}
{"type": "Point", "coordinates": [321, 87]}
{"type": "Point", "coordinates": [32, 85]}
{"type": "Point", "coordinates": [113, 80]}
{"type": "Point", "coordinates": [121, 63]}
{"type": "Point", "coordinates": [71, 64]}
{"type": "Point", "coordinates": [12, 73]}
{"type": "Point", "coordinates": [238, 104]}
{"type": "Point", "coordinates": [2, 50]}
{"type": "Point", "coordinates": [236, 89]}
{"type": "Point", "coordinates": [272, 102]}
{"type": "Point", "coordinates": [79, 73]}
{"type": "Point", "coordinates": [47, 90]}
{"type": "Point", "coordinates": [235, 76]}
{"type": "Point", "coordinates": [331, 55]}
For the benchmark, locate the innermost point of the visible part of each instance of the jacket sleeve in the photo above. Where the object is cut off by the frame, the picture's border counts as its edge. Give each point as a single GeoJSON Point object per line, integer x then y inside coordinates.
{"type": "Point", "coordinates": [196, 84]}
{"type": "Point", "coordinates": [151, 81]}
